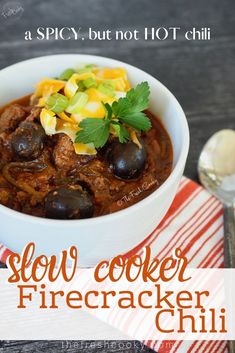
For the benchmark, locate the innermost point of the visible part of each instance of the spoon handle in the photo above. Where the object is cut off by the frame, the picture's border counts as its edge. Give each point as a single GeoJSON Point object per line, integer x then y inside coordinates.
{"type": "Point", "coordinates": [229, 236]}
{"type": "Point", "coordinates": [229, 248]}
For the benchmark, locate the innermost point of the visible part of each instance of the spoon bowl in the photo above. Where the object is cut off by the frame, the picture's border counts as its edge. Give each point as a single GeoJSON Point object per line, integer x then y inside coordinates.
{"type": "Point", "coordinates": [216, 170]}
{"type": "Point", "coordinates": [216, 166]}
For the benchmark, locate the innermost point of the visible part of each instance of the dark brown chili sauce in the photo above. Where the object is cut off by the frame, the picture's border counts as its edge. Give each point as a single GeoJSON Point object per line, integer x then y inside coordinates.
{"type": "Point", "coordinates": [25, 184]}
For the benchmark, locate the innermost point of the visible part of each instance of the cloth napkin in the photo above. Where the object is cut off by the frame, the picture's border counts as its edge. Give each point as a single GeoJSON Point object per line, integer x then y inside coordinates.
{"type": "Point", "coordinates": [193, 223]}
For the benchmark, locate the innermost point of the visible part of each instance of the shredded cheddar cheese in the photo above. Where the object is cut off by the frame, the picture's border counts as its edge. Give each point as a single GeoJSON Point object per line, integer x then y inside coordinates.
{"type": "Point", "coordinates": [107, 86]}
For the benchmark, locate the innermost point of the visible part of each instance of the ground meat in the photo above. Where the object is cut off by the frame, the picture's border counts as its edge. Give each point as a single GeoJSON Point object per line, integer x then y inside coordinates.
{"type": "Point", "coordinates": [39, 180]}
{"type": "Point", "coordinates": [65, 157]}
{"type": "Point", "coordinates": [12, 117]}
{"type": "Point", "coordinates": [7, 196]}
{"type": "Point", "coordinates": [102, 183]}
{"type": "Point", "coordinates": [3, 182]}
{"type": "Point", "coordinates": [24, 188]}
{"type": "Point", "coordinates": [34, 114]}
{"type": "Point", "coordinates": [5, 148]}
{"type": "Point", "coordinates": [94, 175]}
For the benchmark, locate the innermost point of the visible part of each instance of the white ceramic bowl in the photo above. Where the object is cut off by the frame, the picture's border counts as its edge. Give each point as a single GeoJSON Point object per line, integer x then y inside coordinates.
{"type": "Point", "coordinates": [102, 237]}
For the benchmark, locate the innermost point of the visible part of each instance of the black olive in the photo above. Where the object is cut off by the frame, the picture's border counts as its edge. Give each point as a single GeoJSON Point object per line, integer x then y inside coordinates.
{"type": "Point", "coordinates": [28, 141]}
{"type": "Point", "coordinates": [127, 160]}
{"type": "Point", "coordinates": [72, 202]}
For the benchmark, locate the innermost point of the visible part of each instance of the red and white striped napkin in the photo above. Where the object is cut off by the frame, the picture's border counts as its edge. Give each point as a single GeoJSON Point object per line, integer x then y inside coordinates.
{"type": "Point", "coordinates": [194, 223]}
{"type": "Point", "coordinates": [4, 253]}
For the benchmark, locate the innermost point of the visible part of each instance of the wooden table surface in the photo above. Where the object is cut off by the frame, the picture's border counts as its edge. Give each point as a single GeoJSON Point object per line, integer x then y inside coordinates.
{"type": "Point", "coordinates": [201, 74]}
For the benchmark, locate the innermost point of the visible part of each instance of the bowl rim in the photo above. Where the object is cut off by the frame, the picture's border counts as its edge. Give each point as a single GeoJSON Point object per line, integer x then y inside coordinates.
{"type": "Point", "coordinates": [130, 209]}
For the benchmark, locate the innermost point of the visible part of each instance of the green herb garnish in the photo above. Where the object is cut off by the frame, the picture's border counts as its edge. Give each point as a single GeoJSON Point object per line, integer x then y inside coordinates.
{"type": "Point", "coordinates": [107, 88]}
{"type": "Point", "coordinates": [57, 103]}
{"type": "Point", "coordinates": [129, 109]}
{"type": "Point", "coordinates": [77, 103]}
{"type": "Point", "coordinates": [126, 112]}
{"type": "Point", "coordinates": [66, 74]}
{"type": "Point", "coordinates": [121, 131]}
{"type": "Point", "coordinates": [90, 82]}
{"type": "Point", "coordinates": [87, 68]}
{"type": "Point", "coordinates": [94, 130]}
{"type": "Point", "coordinates": [81, 86]}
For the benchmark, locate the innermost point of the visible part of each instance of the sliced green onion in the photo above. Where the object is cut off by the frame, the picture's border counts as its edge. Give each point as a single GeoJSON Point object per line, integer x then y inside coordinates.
{"type": "Point", "coordinates": [87, 68]}
{"type": "Point", "coordinates": [77, 103]}
{"type": "Point", "coordinates": [90, 82]}
{"type": "Point", "coordinates": [57, 103]}
{"type": "Point", "coordinates": [121, 132]}
{"type": "Point", "coordinates": [90, 66]}
{"type": "Point", "coordinates": [65, 76]}
{"type": "Point", "coordinates": [81, 86]}
{"type": "Point", "coordinates": [107, 88]}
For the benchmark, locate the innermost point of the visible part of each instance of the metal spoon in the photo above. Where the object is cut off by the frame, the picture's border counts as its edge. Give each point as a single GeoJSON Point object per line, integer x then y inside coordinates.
{"type": "Point", "coordinates": [216, 169]}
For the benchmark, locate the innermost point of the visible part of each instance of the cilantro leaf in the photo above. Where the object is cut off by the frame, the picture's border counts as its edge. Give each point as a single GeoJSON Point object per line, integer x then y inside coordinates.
{"type": "Point", "coordinates": [136, 100]}
{"type": "Point", "coordinates": [108, 110]}
{"type": "Point", "coordinates": [138, 97]}
{"type": "Point", "coordinates": [94, 130]}
{"type": "Point", "coordinates": [121, 108]}
{"type": "Point", "coordinates": [121, 131]}
{"type": "Point", "coordinates": [129, 109]}
{"type": "Point", "coordinates": [139, 121]}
